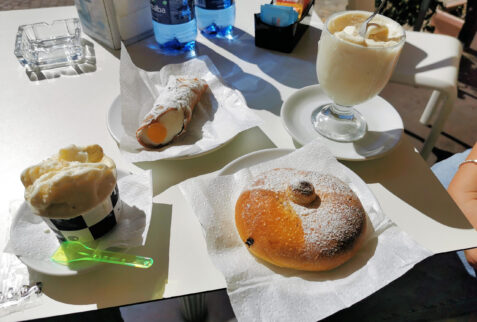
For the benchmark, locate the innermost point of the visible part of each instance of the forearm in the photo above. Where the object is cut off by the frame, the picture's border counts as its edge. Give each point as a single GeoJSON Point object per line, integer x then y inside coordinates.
{"type": "Point", "coordinates": [463, 188]}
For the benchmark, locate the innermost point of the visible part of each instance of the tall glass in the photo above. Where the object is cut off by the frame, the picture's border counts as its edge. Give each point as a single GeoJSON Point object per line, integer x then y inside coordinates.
{"type": "Point", "coordinates": [351, 73]}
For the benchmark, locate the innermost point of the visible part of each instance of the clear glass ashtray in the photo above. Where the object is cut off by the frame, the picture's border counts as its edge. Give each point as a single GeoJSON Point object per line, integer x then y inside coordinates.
{"type": "Point", "coordinates": [43, 45]}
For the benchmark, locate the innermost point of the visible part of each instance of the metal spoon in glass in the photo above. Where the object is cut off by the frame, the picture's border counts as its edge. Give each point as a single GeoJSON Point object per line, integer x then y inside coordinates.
{"type": "Point", "coordinates": [364, 25]}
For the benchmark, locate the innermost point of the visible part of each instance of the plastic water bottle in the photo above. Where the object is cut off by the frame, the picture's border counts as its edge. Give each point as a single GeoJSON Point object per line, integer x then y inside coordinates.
{"type": "Point", "coordinates": [174, 24]}
{"type": "Point", "coordinates": [215, 18]}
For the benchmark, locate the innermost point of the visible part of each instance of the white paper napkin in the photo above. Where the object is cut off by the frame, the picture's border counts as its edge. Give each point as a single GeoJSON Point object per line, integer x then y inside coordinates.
{"type": "Point", "coordinates": [219, 116]}
{"type": "Point", "coordinates": [262, 292]}
{"type": "Point", "coordinates": [30, 237]}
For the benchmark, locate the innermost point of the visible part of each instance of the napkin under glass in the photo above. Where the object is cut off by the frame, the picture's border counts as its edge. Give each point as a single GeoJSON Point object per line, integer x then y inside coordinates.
{"type": "Point", "coordinates": [219, 116]}
{"type": "Point", "coordinates": [259, 291]}
{"type": "Point", "coordinates": [135, 191]}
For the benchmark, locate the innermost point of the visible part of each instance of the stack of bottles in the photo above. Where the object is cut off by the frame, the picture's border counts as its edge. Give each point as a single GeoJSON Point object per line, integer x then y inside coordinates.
{"type": "Point", "coordinates": [175, 22]}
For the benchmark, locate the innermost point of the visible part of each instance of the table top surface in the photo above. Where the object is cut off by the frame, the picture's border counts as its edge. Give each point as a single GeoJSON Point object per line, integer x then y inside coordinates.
{"type": "Point", "coordinates": [41, 113]}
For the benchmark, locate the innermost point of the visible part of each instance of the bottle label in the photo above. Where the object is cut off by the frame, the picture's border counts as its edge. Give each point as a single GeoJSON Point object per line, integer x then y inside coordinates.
{"type": "Point", "coordinates": [172, 12]}
{"type": "Point", "coordinates": [214, 4]}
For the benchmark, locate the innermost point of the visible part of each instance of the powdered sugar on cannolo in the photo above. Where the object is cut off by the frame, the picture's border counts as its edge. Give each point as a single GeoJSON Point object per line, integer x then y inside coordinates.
{"type": "Point", "coordinates": [172, 111]}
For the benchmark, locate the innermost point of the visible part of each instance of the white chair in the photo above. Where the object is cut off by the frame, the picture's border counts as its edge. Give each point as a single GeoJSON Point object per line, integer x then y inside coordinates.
{"type": "Point", "coordinates": [431, 61]}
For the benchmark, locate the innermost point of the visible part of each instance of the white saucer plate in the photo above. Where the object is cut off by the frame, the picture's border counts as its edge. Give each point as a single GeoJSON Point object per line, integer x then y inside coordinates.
{"type": "Point", "coordinates": [46, 243]}
{"type": "Point", "coordinates": [116, 130]}
{"type": "Point", "coordinates": [384, 125]}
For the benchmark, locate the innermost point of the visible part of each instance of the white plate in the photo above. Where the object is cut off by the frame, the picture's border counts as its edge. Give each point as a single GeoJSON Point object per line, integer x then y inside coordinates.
{"type": "Point", "coordinates": [260, 156]}
{"type": "Point", "coordinates": [43, 239]}
{"type": "Point", "coordinates": [116, 130]}
{"type": "Point", "coordinates": [385, 126]}
{"type": "Point", "coordinates": [114, 120]}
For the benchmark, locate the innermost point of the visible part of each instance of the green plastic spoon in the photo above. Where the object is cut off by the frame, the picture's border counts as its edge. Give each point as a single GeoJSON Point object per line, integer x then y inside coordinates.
{"type": "Point", "coordinates": [73, 251]}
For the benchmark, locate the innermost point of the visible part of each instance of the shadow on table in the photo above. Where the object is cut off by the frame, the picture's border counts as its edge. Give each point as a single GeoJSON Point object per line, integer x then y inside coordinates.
{"type": "Point", "coordinates": [258, 93]}
{"type": "Point", "coordinates": [87, 65]}
{"type": "Point", "coordinates": [437, 288]}
{"type": "Point", "coordinates": [375, 143]}
{"type": "Point", "coordinates": [113, 283]}
{"type": "Point", "coordinates": [172, 172]}
{"type": "Point", "coordinates": [417, 194]}
{"type": "Point", "coordinates": [112, 314]}
{"type": "Point", "coordinates": [280, 66]}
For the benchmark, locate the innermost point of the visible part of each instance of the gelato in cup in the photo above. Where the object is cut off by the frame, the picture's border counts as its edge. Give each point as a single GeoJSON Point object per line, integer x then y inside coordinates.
{"type": "Point", "coordinates": [75, 192]}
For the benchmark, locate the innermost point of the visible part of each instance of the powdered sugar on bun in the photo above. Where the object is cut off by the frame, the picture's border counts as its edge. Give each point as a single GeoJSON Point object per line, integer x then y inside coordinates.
{"type": "Point", "coordinates": [306, 233]}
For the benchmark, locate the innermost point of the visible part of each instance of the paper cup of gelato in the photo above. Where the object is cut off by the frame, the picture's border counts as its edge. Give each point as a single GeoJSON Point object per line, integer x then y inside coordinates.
{"type": "Point", "coordinates": [75, 192]}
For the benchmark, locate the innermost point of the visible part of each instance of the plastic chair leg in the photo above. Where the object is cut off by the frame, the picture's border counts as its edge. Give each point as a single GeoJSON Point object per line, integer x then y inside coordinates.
{"type": "Point", "coordinates": [431, 107]}
{"type": "Point", "coordinates": [439, 123]}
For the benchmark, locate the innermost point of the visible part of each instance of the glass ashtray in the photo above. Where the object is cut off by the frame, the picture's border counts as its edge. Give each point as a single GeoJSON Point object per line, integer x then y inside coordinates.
{"type": "Point", "coordinates": [43, 45]}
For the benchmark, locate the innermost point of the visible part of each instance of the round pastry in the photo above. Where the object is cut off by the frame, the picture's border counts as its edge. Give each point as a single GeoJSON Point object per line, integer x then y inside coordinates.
{"type": "Point", "coordinates": [300, 219]}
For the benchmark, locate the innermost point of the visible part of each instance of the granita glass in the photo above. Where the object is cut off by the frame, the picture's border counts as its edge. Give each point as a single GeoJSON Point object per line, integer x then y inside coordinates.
{"type": "Point", "coordinates": [350, 74]}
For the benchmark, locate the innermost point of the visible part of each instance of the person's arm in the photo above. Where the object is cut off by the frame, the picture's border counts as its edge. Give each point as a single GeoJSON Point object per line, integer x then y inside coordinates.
{"type": "Point", "coordinates": [463, 189]}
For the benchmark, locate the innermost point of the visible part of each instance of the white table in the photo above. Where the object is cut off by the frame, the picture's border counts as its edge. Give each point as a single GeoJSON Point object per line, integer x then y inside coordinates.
{"type": "Point", "coordinates": [38, 117]}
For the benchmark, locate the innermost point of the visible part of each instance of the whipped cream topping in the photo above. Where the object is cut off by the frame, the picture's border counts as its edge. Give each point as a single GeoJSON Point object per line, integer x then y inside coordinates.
{"type": "Point", "coordinates": [70, 182]}
{"type": "Point", "coordinates": [381, 31]}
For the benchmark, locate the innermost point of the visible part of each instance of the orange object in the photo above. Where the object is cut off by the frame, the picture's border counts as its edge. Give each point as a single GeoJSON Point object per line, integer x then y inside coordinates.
{"type": "Point", "coordinates": [298, 5]}
{"type": "Point", "coordinates": [156, 132]}
{"type": "Point", "coordinates": [446, 24]}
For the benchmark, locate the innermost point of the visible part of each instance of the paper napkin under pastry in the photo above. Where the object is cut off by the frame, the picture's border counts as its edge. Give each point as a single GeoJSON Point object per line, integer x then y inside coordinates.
{"type": "Point", "coordinates": [220, 115]}
{"type": "Point", "coordinates": [260, 291]}
{"type": "Point", "coordinates": [30, 236]}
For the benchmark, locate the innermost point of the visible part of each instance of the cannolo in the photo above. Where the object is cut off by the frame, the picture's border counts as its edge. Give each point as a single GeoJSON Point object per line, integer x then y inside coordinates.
{"type": "Point", "coordinates": [172, 112]}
